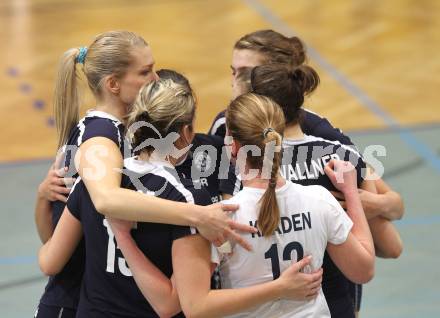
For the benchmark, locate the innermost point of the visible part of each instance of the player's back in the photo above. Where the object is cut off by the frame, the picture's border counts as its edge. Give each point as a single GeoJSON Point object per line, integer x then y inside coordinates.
{"type": "Point", "coordinates": [63, 289]}
{"type": "Point", "coordinates": [202, 164]}
{"type": "Point", "coordinates": [109, 289]}
{"type": "Point", "coordinates": [309, 218]}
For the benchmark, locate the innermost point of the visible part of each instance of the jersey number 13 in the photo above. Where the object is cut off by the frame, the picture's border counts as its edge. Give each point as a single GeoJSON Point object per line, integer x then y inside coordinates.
{"type": "Point", "coordinates": [111, 254]}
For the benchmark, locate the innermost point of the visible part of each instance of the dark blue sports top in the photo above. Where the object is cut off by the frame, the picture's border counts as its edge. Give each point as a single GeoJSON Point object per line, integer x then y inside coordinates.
{"type": "Point", "coordinates": [109, 289]}
{"type": "Point", "coordinates": [203, 164]}
{"type": "Point", "coordinates": [312, 124]}
{"type": "Point", "coordinates": [63, 289]}
{"type": "Point", "coordinates": [206, 162]}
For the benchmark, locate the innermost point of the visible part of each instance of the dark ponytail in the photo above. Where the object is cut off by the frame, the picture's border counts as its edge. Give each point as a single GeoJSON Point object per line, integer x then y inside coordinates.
{"type": "Point", "coordinates": [306, 78]}
{"type": "Point", "coordinates": [286, 86]}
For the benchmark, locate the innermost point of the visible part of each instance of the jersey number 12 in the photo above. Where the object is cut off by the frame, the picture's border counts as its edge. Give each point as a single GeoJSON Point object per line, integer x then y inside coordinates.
{"type": "Point", "coordinates": [272, 254]}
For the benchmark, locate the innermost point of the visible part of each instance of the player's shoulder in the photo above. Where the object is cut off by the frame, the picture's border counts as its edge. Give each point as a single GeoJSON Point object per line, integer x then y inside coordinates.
{"type": "Point", "coordinates": [162, 180]}
{"type": "Point", "coordinates": [310, 119]}
{"type": "Point", "coordinates": [317, 125]}
{"type": "Point", "coordinates": [221, 114]}
{"type": "Point", "coordinates": [304, 190]}
{"type": "Point", "coordinates": [317, 141]}
{"type": "Point", "coordinates": [240, 196]}
{"type": "Point", "coordinates": [100, 124]}
{"type": "Point", "coordinates": [99, 118]}
{"type": "Point", "coordinates": [247, 205]}
{"type": "Point", "coordinates": [150, 175]}
{"type": "Point", "coordinates": [205, 139]}
{"type": "Point", "coordinates": [310, 193]}
{"type": "Point", "coordinates": [311, 115]}
{"type": "Point", "coordinates": [247, 198]}
{"type": "Point", "coordinates": [218, 125]}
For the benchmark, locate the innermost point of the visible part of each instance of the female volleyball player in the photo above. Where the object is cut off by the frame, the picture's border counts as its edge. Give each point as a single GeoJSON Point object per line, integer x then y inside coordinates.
{"type": "Point", "coordinates": [304, 159]}
{"type": "Point", "coordinates": [108, 287]}
{"type": "Point", "coordinates": [202, 164]}
{"type": "Point", "coordinates": [307, 219]}
{"type": "Point", "coordinates": [268, 46]}
{"type": "Point", "coordinates": [115, 65]}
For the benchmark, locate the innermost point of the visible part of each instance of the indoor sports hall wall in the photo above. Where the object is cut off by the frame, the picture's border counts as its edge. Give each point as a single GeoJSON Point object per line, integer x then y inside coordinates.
{"type": "Point", "coordinates": [379, 67]}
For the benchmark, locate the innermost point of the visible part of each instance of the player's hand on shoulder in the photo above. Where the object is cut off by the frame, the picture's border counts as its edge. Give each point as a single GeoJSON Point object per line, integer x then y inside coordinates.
{"type": "Point", "coordinates": [215, 225]}
{"type": "Point", "coordinates": [342, 174]}
{"type": "Point", "coordinates": [296, 285]}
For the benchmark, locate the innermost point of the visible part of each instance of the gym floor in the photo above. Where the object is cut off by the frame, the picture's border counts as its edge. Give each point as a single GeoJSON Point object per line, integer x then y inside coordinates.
{"type": "Point", "coordinates": [375, 60]}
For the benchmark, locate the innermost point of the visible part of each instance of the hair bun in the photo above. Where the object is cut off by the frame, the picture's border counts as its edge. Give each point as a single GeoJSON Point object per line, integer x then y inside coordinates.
{"type": "Point", "coordinates": [298, 51]}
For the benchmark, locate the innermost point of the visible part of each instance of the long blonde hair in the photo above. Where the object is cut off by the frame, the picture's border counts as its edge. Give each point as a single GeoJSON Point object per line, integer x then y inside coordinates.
{"type": "Point", "coordinates": [257, 120]}
{"type": "Point", "coordinates": [109, 54]}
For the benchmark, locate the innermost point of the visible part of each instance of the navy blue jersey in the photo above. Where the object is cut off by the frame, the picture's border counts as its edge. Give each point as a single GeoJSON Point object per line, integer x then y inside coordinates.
{"type": "Point", "coordinates": [203, 164]}
{"type": "Point", "coordinates": [109, 289]}
{"type": "Point", "coordinates": [312, 124]}
{"type": "Point", "coordinates": [303, 160]}
{"type": "Point", "coordinates": [63, 289]}
{"type": "Point", "coordinates": [218, 126]}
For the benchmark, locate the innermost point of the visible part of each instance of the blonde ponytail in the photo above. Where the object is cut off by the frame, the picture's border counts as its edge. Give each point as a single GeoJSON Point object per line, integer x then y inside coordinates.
{"type": "Point", "coordinates": [257, 120]}
{"type": "Point", "coordinates": [109, 54]}
{"type": "Point", "coordinates": [269, 216]}
{"type": "Point", "coordinates": [66, 96]}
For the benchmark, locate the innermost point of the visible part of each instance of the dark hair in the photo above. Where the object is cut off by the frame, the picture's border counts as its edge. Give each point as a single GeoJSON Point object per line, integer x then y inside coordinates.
{"type": "Point", "coordinates": [286, 86]}
{"type": "Point", "coordinates": [274, 47]}
{"type": "Point", "coordinates": [243, 79]}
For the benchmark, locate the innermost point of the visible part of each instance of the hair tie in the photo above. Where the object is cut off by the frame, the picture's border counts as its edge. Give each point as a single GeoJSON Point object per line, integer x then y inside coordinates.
{"type": "Point", "coordinates": [81, 57]}
{"type": "Point", "coordinates": [272, 183]}
{"type": "Point", "coordinates": [266, 131]}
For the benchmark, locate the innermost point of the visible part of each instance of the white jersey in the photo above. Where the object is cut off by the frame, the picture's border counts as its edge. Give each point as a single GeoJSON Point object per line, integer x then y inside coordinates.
{"type": "Point", "coordinates": [309, 218]}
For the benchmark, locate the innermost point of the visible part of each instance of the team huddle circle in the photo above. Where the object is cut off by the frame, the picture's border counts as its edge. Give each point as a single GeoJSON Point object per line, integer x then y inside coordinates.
{"type": "Point", "coordinates": [259, 217]}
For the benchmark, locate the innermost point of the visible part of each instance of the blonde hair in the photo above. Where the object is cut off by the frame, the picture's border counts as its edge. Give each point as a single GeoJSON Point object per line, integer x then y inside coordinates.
{"type": "Point", "coordinates": [109, 54]}
{"type": "Point", "coordinates": [257, 120]}
{"type": "Point", "coordinates": [166, 105]}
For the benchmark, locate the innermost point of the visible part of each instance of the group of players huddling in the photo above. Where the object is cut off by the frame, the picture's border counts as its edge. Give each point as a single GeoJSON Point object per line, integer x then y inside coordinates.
{"type": "Point", "coordinates": [130, 214]}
